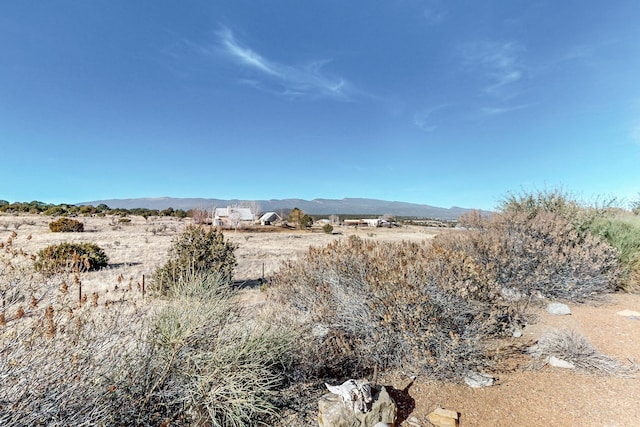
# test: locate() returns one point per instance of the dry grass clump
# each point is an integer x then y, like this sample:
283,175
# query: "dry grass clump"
66,359
572,347
206,366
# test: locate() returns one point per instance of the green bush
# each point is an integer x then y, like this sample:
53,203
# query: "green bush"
66,225
327,228
70,257
622,231
192,253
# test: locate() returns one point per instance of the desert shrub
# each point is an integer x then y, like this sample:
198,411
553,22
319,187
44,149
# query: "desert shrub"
436,306
68,256
371,303
66,225
529,254
622,231
124,220
193,361
531,203
58,365
327,228
572,347
219,371
306,221
193,252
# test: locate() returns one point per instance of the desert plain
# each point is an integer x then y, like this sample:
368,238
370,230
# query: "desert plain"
520,396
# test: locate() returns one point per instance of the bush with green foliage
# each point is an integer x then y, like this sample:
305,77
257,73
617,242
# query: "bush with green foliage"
622,231
66,225
327,228
192,253
68,256
306,221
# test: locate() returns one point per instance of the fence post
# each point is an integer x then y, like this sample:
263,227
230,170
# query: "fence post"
143,286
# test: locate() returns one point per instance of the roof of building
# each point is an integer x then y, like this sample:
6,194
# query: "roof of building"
269,216
245,213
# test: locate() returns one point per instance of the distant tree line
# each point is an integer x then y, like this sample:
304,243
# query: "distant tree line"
36,207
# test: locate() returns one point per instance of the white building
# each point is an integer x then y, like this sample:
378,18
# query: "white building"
232,216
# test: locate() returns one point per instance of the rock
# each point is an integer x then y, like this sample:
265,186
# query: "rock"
559,363
333,412
517,332
354,393
413,422
478,380
634,315
558,309
443,418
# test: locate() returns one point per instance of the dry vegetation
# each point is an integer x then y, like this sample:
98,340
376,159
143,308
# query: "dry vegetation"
163,335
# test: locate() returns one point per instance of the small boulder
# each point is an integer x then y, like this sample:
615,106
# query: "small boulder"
333,412
559,363
630,314
558,309
444,418
478,380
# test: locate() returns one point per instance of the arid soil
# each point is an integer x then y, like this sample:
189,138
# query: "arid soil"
520,397
550,396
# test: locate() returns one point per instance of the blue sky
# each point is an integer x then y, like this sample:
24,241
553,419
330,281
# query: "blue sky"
436,102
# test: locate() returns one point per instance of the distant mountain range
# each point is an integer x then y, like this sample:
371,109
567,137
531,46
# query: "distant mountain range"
353,206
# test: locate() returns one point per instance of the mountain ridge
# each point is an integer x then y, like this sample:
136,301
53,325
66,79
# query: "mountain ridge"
318,206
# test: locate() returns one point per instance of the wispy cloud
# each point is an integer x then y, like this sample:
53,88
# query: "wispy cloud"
308,80
495,111
424,119
498,63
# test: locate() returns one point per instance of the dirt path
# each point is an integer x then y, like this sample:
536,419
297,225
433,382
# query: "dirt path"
551,396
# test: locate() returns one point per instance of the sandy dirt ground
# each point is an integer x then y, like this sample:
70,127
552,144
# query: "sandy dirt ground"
521,397
550,396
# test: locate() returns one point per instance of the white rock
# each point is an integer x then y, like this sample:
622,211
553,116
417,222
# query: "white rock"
558,309
629,313
478,380
559,363
517,333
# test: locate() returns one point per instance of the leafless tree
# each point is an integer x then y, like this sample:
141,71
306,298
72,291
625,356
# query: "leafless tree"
253,206
235,218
